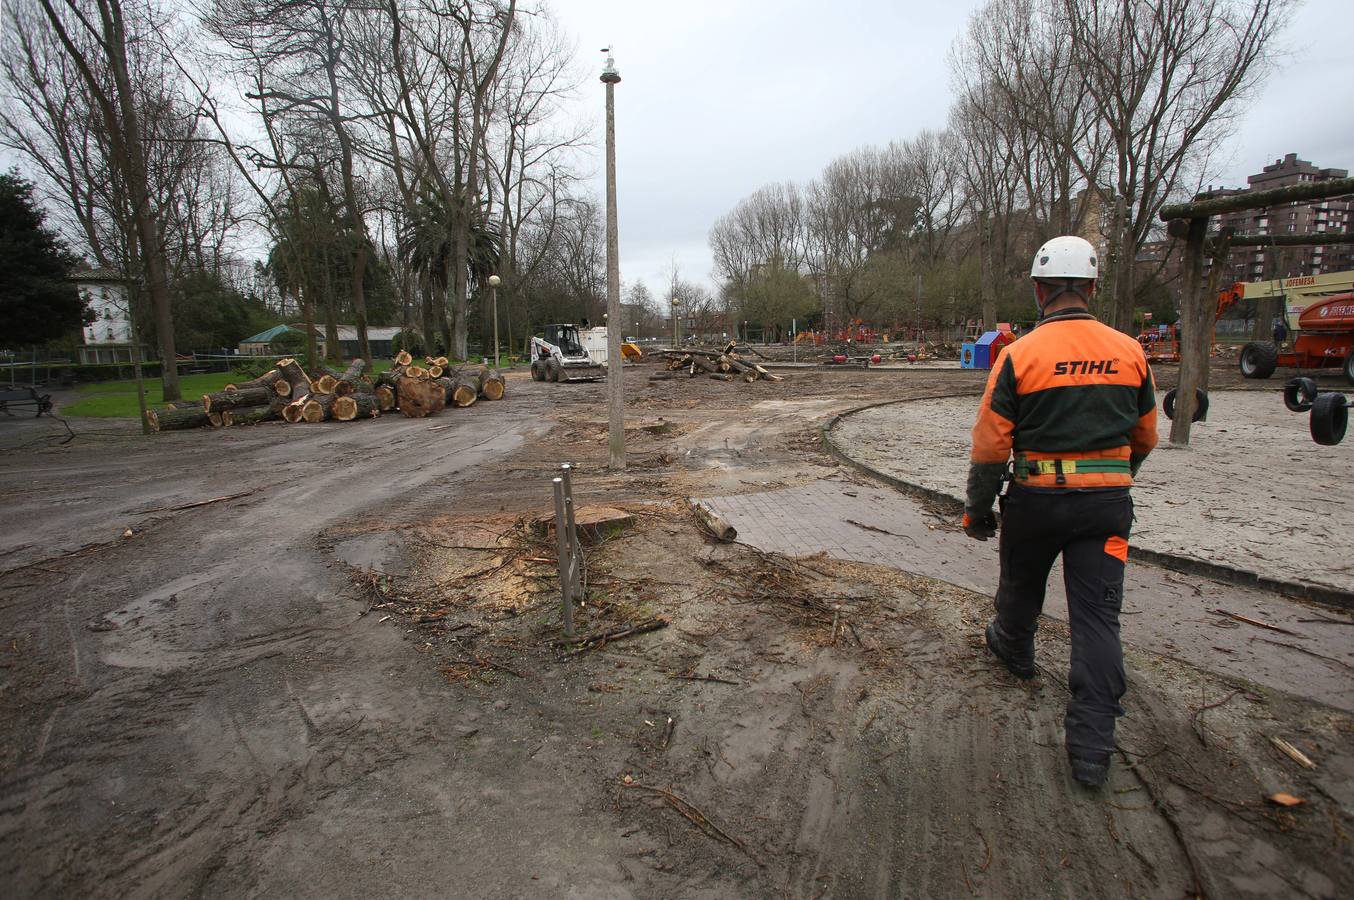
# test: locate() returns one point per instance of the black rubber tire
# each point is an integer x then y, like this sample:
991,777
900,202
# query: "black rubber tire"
1258,359
552,369
1200,404
1299,394
1330,417
1349,367
537,373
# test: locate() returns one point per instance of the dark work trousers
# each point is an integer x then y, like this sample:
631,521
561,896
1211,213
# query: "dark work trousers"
1036,526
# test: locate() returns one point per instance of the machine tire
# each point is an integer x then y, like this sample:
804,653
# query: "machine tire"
1258,359
537,373
1299,394
1330,417
1349,367
552,369
1200,404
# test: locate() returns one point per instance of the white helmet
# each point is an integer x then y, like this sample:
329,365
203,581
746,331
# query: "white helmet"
1066,257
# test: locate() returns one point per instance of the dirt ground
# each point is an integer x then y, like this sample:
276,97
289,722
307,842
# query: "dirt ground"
1253,491
346,681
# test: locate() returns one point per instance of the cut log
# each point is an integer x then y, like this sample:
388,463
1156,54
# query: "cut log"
434,371
713,521
292,411
318,407
419,397
217,419
326,384
415,372
730,364
385,398
438,361
253,396
355,406
465,390
763,373
390,377
272,379
252,415
176,419
403,359
722,376
183,404
351,378
296,378
750,376
490,384
704,364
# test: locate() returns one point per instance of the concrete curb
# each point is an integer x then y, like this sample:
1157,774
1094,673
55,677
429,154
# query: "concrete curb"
1314,593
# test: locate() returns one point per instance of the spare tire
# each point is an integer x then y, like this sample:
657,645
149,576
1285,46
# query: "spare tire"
1200,405
1330,417
1258,359
1299,394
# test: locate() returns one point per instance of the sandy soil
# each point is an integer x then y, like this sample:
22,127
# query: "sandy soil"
1252,491
345,682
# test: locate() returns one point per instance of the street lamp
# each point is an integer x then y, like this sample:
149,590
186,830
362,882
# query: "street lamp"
675,304
494,282
746,338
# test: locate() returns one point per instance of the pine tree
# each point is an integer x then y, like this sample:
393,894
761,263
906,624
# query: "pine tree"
37,303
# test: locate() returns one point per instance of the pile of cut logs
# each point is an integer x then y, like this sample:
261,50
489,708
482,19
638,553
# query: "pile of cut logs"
286,392
721,365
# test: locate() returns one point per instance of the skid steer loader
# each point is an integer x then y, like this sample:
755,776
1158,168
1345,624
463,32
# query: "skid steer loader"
567,354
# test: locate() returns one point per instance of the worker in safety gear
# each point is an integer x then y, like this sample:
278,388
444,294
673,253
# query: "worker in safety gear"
1070,409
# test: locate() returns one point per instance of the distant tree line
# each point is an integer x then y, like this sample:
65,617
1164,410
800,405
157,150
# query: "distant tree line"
388,156
1075,116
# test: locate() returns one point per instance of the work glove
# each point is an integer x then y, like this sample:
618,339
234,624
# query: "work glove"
980,526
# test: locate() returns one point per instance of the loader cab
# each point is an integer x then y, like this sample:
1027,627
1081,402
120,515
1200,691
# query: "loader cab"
565,337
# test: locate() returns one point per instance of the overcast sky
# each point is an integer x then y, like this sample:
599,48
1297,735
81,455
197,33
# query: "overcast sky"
719,97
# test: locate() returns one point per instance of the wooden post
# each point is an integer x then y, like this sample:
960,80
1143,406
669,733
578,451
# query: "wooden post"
615,370
565,561
1197,317
575,548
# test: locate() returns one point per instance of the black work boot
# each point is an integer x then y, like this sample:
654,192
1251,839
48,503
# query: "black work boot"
1090,772
1020,664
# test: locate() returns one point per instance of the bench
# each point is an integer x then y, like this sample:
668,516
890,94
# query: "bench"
24,396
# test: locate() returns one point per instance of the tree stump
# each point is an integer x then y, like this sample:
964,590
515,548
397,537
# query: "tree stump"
385,398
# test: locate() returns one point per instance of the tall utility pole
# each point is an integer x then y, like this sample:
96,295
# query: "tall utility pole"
615,374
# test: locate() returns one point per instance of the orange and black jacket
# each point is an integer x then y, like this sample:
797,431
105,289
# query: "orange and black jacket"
1071,405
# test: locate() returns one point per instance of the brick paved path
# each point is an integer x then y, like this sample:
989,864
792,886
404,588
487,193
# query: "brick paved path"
1164,612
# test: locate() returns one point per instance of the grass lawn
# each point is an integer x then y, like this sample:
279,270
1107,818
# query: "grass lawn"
117,399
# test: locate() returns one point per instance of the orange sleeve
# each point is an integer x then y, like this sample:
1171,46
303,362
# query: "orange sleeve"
1143,436
992,432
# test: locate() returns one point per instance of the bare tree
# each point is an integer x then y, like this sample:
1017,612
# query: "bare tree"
96,38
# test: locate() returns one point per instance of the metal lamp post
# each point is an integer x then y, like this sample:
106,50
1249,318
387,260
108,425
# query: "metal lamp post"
494,282
675,304
615,374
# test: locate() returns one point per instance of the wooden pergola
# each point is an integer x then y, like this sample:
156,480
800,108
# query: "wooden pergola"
1189,222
